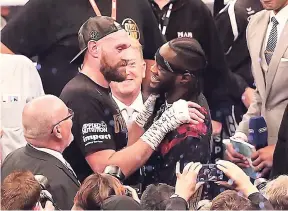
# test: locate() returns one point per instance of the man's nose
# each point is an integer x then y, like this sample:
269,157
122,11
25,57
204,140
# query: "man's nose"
125,55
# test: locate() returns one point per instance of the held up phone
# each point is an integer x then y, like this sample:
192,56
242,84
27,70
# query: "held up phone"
209,172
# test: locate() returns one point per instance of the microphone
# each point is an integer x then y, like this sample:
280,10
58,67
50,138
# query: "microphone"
258,134
45,194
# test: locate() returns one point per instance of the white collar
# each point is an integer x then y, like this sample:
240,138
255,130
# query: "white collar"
281,16
136,105
54,153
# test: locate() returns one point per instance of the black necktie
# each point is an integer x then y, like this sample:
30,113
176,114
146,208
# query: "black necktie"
272,40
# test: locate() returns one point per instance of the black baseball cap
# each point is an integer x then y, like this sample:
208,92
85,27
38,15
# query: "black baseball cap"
185,55
95,28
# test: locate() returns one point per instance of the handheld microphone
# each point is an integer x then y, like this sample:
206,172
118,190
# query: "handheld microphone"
45,194
258,134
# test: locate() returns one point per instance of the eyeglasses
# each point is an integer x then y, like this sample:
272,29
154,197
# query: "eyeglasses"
70,116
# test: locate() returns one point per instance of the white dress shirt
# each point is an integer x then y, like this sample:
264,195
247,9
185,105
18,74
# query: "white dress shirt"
136,106
19,83
281,17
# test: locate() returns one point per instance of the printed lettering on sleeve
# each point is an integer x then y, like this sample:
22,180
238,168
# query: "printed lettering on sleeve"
94,133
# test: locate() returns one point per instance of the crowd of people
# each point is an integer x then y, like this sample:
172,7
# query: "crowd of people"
144,104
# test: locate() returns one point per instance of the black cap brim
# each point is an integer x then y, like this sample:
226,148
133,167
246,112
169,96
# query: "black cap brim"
79,56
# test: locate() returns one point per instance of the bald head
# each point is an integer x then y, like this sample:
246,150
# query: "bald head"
40,114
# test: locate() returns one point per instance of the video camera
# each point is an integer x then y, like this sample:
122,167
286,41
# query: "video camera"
45,195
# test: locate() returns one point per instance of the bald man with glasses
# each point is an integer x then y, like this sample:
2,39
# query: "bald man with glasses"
47,124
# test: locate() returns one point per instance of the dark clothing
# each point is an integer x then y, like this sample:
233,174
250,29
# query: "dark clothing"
176,203
260,202
218,5
280,157
192,18
63,184
187,143
97,123
49,29
231,23
120,203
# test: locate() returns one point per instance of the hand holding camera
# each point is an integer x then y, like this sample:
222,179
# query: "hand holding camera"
186,184
237,178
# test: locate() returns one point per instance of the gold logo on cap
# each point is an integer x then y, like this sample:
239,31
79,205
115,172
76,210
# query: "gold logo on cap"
131,27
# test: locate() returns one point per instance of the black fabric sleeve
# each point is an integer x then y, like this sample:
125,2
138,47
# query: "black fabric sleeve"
259,201
176,203
32,30
237,55
153,39
93,127
280,157
224,28
216,77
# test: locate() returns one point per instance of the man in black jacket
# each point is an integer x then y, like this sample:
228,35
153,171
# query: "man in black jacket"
48,29
231,23
47,128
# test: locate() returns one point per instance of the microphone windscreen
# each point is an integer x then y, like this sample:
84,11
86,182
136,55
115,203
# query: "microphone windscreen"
258,134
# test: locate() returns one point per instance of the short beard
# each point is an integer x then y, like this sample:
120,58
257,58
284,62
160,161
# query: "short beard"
163,87
111,73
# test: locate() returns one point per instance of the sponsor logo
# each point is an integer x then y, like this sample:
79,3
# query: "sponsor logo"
185,34
94,128
96,138
262,130
131,27
250,11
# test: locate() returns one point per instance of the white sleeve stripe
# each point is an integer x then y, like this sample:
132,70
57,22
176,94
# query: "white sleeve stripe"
231,13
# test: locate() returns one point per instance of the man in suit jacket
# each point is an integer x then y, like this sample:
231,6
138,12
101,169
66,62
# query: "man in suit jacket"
47,124
268,46
127,94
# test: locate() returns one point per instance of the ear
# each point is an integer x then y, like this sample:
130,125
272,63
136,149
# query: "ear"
93,49
57,131
186,78
144,69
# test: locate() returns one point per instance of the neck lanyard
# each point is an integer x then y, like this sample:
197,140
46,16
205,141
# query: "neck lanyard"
166,17
97,11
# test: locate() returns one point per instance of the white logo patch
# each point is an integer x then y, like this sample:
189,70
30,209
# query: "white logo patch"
185,34
94,128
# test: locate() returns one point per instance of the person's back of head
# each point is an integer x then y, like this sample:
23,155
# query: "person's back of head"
155,196
231,200
47,119
95,190
276,191
20,191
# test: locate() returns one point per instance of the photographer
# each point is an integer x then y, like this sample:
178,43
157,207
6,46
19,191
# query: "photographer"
239,181
21,191
186,186
95,191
